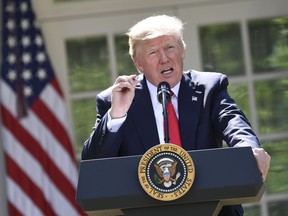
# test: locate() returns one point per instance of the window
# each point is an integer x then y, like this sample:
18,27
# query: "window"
277,181
272,105
269,44
222,50
125,64
88,64
89,73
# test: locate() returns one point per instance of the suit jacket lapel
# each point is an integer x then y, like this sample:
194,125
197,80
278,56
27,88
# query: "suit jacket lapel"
190,100
144,122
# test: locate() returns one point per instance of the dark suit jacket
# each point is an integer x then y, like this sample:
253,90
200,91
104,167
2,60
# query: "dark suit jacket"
207,116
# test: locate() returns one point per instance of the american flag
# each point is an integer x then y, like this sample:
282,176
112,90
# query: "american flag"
41,169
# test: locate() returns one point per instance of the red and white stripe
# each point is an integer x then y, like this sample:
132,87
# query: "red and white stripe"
41,167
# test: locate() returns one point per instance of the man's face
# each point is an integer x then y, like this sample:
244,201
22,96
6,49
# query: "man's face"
160,59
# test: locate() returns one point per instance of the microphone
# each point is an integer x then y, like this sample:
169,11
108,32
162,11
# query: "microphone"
163,93
164,97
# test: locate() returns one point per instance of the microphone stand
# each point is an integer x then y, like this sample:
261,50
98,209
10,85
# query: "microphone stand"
165,118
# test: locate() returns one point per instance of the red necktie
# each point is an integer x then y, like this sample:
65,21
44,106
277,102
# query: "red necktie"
173,124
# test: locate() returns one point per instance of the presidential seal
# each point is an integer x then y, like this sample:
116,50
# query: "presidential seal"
166,172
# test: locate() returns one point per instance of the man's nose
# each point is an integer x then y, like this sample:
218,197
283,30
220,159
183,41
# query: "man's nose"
163,56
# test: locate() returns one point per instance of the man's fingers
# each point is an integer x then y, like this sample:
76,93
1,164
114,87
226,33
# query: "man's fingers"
263,160
125,82
123,85
130,79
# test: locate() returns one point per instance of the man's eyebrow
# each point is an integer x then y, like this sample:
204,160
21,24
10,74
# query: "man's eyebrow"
149,49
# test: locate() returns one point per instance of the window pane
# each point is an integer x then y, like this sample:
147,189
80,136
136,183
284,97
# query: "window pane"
277,179
272,105
84,116
239,93
125,64
221,48
269,44
252,211
278,209
88,64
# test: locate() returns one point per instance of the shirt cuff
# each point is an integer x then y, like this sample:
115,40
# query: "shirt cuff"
113,125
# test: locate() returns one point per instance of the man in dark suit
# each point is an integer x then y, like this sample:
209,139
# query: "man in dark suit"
130,120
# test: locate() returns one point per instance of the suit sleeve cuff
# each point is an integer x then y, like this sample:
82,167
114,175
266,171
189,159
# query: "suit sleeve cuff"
113,125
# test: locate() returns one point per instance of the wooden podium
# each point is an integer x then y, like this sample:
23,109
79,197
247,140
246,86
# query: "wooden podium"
223,176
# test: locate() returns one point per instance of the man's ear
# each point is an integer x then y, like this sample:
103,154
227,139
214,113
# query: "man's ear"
183,54
138,64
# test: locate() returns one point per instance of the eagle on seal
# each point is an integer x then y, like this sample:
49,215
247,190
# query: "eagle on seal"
166,169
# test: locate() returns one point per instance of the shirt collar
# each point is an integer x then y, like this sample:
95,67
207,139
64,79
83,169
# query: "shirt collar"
153,91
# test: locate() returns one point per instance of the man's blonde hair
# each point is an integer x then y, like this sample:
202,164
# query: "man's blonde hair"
153,27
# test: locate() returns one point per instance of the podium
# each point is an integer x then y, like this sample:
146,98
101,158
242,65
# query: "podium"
224,176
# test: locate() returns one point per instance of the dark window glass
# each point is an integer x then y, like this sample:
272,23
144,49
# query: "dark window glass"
221,48
84,116
252,210
278,208
277,179
125,64
272,105
89,70
88,64
269,44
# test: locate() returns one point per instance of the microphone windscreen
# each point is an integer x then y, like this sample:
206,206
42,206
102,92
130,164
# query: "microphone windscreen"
163,90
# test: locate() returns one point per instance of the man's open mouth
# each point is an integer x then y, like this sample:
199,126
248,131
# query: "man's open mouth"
167,71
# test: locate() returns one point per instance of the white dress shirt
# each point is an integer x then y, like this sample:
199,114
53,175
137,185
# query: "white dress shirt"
158,110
